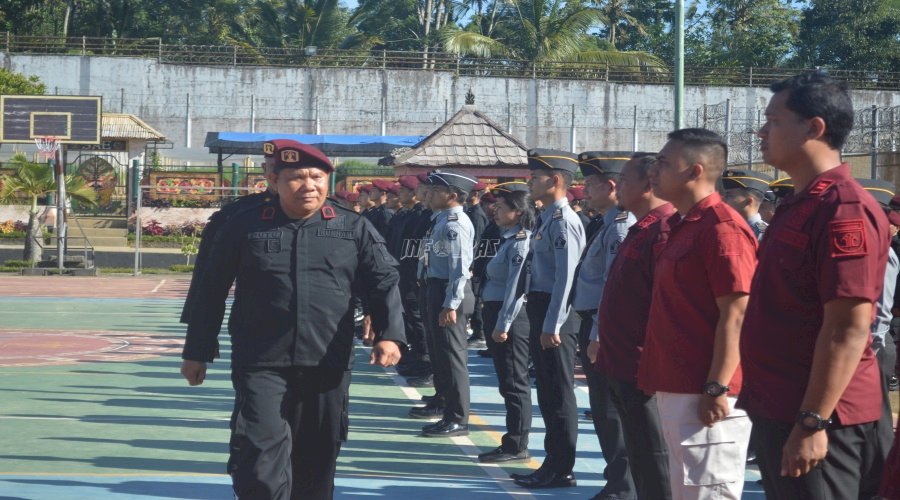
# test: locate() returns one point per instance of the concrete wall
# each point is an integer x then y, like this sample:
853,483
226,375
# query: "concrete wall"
186,102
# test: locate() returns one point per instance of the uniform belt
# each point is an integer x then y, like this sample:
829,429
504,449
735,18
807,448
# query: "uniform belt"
436,280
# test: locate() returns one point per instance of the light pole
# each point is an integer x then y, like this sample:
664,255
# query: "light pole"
679,64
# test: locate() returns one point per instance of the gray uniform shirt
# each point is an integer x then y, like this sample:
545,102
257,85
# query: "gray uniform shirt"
758,225
883,315
556,248
598,258
449,253
503,272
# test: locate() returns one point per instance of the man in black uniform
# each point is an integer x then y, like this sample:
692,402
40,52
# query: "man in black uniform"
380,215
215,223
480,221
295,261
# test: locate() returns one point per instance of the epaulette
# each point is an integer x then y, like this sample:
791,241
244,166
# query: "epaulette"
623,216
760,226
848,194
646,221
558,214
819,188
723,213
452,217
247,202
521,235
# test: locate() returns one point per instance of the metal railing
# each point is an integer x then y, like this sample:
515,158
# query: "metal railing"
308,57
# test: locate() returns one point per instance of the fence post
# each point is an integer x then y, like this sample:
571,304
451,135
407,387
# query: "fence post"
234,178
83,45
252,114
727,126
187,123
234,55
634,131
8,43
122,100
136,173
875,144
383,59
318,123
573,133
159,55
508,117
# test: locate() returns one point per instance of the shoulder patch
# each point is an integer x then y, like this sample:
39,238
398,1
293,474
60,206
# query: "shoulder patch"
327,212
848,238
623,216
452,217
558,214
521,235
452,235
518,259
560,242
268,213
819,188
647,221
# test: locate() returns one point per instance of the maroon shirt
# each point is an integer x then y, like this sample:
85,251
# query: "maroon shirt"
626,299
827,242
710,253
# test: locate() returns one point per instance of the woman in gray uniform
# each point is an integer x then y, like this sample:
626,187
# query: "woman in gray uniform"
505,317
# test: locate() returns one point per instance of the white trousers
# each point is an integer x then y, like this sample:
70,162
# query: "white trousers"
705,463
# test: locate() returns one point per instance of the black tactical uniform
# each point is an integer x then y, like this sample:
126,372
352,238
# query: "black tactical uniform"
291,328
213,225
480,222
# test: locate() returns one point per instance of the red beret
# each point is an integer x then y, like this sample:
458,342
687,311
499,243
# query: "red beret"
382,185
577,192
894,217
570,196
488,198
395,188
364,188
341,194
352,197
288,153
422,177
410,182
479,186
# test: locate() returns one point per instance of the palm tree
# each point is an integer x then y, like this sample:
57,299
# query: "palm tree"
547,30
33,181
616,13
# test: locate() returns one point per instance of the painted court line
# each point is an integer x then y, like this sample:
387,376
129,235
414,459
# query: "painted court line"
156,288
464,443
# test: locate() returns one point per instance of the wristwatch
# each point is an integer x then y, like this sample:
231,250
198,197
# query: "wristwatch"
812,421
714,389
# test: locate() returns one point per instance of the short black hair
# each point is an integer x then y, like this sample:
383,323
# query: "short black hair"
567,177
520,200
816,94
645,161
700,141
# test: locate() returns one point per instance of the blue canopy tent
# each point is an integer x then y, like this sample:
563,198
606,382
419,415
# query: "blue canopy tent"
225,144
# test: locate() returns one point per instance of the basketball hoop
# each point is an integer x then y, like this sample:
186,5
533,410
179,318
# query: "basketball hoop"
47,146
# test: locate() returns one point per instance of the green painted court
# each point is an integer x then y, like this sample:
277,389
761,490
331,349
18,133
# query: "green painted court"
94,407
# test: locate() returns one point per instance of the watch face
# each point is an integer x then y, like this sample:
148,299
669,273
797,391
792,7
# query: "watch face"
810,422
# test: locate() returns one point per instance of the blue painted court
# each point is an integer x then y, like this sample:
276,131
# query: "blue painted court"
94,408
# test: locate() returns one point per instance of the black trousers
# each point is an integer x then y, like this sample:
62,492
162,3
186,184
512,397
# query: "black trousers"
476,320
607,423
648,456
449,354
412,319
511,364
555,377
851,469
286,431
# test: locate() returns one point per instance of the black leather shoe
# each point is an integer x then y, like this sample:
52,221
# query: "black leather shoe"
445,429
540,470
427,411
497,455
549,480
485,353
428,399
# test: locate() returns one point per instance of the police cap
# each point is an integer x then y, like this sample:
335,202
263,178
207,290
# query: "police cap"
552,159
882,191
782,188
746,179
288,153
509,187
450,178
602,162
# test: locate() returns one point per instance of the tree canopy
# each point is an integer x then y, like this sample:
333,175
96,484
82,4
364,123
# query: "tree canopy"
842,34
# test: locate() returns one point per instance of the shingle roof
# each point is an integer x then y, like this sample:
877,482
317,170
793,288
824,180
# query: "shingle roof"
467,139
119,126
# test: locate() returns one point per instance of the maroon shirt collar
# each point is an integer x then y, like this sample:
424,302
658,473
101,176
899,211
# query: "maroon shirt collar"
696,212
658,213
819,183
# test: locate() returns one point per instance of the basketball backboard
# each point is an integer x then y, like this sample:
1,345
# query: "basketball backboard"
72,119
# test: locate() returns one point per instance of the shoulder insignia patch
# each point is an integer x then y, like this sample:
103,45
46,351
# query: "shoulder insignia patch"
521,235
646,221
452,217
560,242
614,247
557,214
820,187
327,212
451,235
623,216
268,213
848,238
518,259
